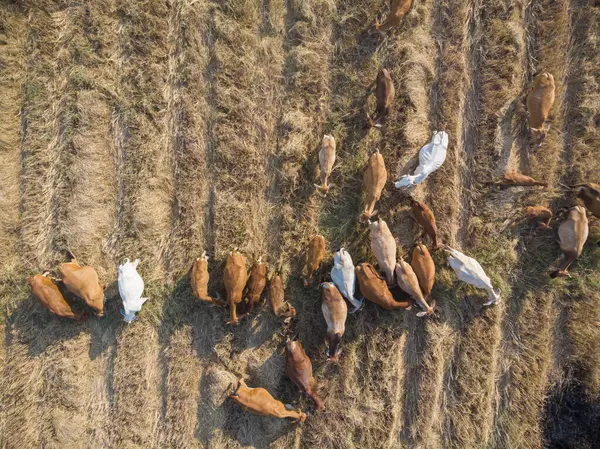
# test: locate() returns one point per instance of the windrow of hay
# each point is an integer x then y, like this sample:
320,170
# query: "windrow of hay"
187,139
142,227
12,73
526,351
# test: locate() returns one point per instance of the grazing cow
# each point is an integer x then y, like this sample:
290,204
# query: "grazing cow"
409,282
398,9
199,281
335,312
83,282
374,288
314,256
426,219
260,402
299,369
48,294
276,294
256,284
326,159
590,195
383,246
131,288
374,179
234,278
431,157
539,103
424,267
514,179
540,214
344,277
385,94
470,271
573,233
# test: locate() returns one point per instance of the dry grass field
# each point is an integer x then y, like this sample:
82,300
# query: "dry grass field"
156,129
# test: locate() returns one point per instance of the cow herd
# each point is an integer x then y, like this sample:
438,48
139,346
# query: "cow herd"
339,296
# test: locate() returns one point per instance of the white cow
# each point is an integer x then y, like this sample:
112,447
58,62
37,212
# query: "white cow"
344,277
431,157
468,270
131,287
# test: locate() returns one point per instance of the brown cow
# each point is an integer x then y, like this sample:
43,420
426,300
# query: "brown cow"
234,277
590,195
385,94
539,103
48,294
424,267
398,10
199,281
299,369
426,219
260,402
276,295
540,214
326,159
409,282
256,284
375,289
514,179
335,312
374,179
314,256
83,282
573,233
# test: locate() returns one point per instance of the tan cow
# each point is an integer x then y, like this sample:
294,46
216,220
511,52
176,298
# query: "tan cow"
256,284
426,219
326,159
385,94
234,278
314,256
514,179
276,296
374,180
375,289
48,295
424,267
539,104
199,281
260,402
409,282
398,10
299,369
383,246
573,233
335,312
83,282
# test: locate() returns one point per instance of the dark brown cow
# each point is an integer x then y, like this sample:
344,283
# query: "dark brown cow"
299,369
83,282
48,294
234,278
426,219
590,195
256,284
199,281
314,256
385,94
276,295
374,287
260,402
